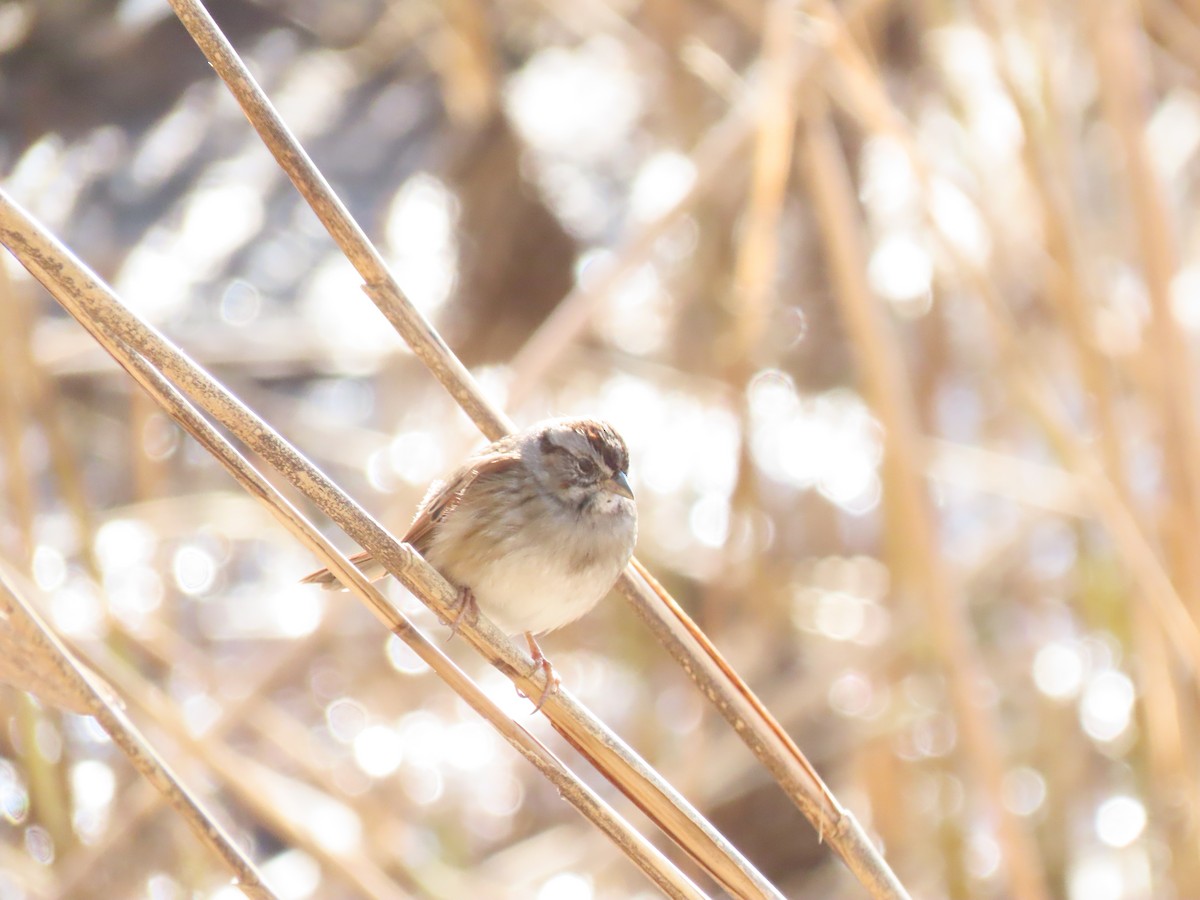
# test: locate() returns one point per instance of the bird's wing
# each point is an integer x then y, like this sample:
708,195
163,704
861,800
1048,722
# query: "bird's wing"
443,498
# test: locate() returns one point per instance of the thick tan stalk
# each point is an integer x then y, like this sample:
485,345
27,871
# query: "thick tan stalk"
85,297
47,785
885,382
46,402
660,870
254,708
866,98
379,282
14,419
758,250
107,711
1072,293
669,624
717,151
250,782
1123,81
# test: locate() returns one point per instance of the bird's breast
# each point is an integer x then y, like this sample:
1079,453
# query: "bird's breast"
533,567
539,593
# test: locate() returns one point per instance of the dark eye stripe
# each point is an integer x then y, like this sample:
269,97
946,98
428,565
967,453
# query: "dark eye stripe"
605,443
614,454
616,458
608,446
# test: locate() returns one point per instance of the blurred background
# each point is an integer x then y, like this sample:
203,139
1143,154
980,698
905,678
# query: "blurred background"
896,304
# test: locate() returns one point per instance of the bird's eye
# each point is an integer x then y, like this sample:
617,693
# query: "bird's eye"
587,467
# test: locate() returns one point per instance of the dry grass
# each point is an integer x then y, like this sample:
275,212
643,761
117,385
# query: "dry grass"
917,326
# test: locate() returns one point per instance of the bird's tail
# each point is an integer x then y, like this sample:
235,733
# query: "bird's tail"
365,563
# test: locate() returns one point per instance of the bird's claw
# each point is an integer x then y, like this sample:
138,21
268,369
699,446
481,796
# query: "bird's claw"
468,608
553,682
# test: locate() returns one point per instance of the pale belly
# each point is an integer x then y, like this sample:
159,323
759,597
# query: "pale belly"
520,594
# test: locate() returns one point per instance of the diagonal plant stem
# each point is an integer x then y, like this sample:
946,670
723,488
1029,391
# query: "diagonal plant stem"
720,147
1123,83
1032,386
107,711
865,98
669,624
1073,296
890,395
239,775
139,803
380,284
651,861
758,250
121,331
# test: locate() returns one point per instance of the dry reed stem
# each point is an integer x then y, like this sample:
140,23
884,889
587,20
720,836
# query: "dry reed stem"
721,147
887,388
117,725
13,419
46,402
380,285
678,634
1032,388
758,251
130,340
290,737
464,60
867,100
794,773
1123,79
142,801
242,778
1175,29
1159,697
47,786
280,729
24,665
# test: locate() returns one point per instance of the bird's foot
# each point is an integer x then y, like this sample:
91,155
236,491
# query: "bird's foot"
553,682
468,608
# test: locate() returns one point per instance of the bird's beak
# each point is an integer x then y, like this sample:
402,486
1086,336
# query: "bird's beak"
619,484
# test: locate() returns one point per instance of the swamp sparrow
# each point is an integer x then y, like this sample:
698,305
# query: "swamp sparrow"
533,529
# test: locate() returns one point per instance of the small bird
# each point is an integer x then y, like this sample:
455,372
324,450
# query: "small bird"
534,529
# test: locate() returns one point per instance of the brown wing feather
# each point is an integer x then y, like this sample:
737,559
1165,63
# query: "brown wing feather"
447,498
434,509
